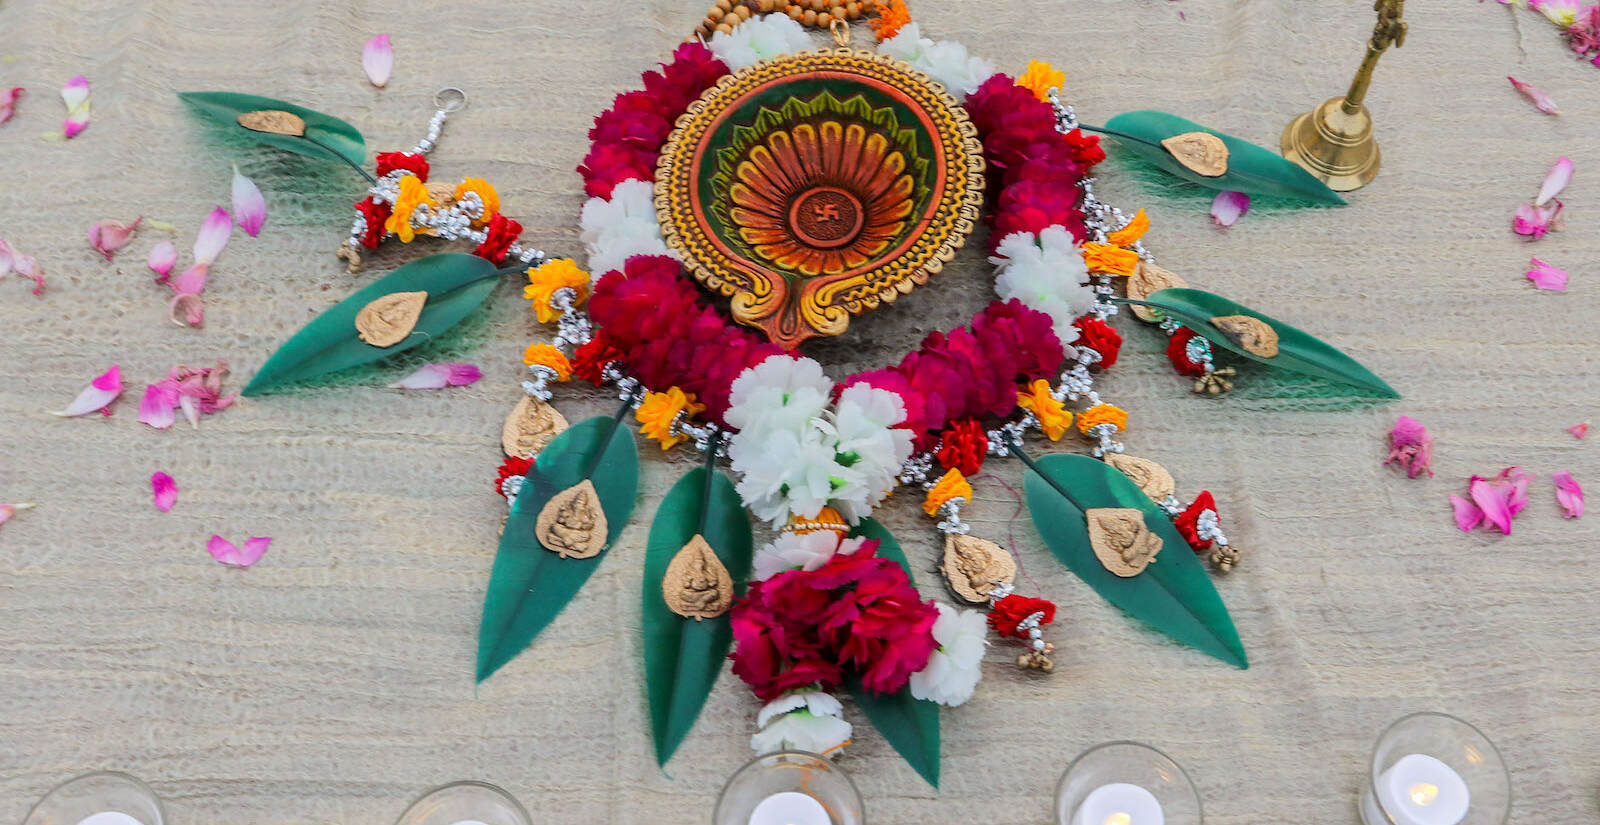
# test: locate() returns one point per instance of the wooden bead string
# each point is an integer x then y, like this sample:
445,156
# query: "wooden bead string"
821,14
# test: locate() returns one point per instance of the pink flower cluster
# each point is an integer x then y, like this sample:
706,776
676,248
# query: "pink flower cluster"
1497,501
856,613
1039,167
628,136
1584,34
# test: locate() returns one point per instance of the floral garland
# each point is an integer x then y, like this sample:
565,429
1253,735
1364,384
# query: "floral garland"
813,457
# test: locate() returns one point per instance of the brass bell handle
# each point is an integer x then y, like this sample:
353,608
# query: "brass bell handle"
1390,29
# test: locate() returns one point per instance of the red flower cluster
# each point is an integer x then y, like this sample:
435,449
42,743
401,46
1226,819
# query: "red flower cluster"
1188,521
1100,337
963,447
415,164
375,213
1011,610
512,466
1039,167
653,317
590,360
1178,353
857,612
628,136
501,233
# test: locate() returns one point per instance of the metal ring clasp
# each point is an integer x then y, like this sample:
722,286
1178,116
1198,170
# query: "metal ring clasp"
450,99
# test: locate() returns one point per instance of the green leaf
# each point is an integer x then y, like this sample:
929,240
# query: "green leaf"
909,724
1297,351
338,140
683,657
1251,169
1173,595
530,585
456,284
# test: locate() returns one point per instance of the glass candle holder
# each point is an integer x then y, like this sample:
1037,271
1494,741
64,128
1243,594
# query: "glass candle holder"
1126,783
465,803
102,798
789,788
1435,769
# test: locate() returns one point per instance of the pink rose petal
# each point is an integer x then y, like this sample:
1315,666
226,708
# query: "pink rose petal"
1535,221
377,59
1495,509
249,207
439,376
76,96
103,390
224,551
1535,96
109,236
1228,207
163,257
165,491
9,510
1468,516
12,260
8,103
1560,175
1568,494
1579,431
213,236
187,310
156,409
1410,446
1545,276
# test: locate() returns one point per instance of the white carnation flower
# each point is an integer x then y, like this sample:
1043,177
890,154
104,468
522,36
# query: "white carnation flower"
945,61
953,671
870,445
759,38
1047,273
617,229
811,721
785,473
800,551
780,393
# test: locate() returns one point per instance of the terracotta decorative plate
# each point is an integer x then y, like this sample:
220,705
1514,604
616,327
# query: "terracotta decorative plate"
818,185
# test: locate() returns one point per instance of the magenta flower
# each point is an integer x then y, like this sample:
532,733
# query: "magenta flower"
1545,276
96,397
163,257
1228,207
1535,95
8,102
1579,431
1494,501
249,207
195,391
108,236
164,490
76,97
1411,447
1568,494
12,260
226,552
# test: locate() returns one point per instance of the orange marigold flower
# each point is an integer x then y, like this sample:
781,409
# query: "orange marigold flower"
892,14
1040,78
1132,232
486,193
1102,414
546,279
951,485
545,355
1110,259
413,193
1053,416
659,409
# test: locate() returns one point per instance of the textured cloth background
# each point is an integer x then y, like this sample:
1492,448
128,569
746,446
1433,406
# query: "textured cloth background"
333,682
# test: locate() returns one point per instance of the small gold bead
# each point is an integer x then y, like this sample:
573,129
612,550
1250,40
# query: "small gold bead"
793,12
725,28
852,10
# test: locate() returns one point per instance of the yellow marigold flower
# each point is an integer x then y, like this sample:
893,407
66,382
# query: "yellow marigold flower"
1041,77
660,409
952,485
892,15
1132,232
1110,259
826,518
544,281
1053,416
486,193
412,195
1102,414
547,356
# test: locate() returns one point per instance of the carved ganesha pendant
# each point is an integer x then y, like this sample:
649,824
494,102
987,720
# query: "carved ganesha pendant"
819,185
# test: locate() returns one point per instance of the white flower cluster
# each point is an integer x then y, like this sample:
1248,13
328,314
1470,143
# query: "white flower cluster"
945,61
1047,273
794,455
800,551
811,721
758,39
953,671
618,229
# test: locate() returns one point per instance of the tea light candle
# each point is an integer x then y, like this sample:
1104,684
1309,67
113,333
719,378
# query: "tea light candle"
790,808
109,818
1119,803
1421,790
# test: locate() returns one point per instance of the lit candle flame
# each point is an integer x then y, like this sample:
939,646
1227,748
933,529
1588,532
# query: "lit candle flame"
1424,793
1119,818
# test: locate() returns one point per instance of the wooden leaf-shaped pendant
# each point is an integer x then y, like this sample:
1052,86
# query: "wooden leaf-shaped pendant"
571,524
273,121
1151,477
696,585
1256,336
1146,279
1200,152
388,320
530,427
1121,541
972,567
